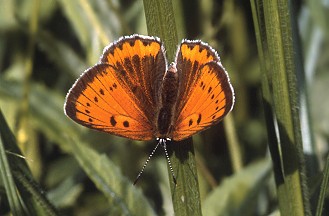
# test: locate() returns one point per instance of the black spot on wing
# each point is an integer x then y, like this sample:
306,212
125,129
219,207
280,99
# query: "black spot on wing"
190,122
126,123
199,119
113,121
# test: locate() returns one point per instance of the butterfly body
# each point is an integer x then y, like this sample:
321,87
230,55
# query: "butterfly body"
169,93
133,93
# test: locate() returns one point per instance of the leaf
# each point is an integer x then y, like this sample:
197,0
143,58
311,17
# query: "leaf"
237,193
17,178
6,175
125,198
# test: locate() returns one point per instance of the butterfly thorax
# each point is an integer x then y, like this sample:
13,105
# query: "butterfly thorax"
169,93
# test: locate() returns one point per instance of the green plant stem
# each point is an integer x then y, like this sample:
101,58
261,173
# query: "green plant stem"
161,22
323,190
278,44
233,144
6,176
21,189
185,195
25,184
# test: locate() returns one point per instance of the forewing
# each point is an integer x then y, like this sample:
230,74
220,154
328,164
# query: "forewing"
207,95
119,95
141,62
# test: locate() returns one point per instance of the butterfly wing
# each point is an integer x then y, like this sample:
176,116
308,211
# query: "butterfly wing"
119,95
205,90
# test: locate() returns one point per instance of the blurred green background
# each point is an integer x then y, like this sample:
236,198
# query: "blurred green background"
45,45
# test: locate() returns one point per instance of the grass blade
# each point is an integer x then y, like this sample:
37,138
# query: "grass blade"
237,193
323,190
6,175
277,44
18,180
125,199
160,21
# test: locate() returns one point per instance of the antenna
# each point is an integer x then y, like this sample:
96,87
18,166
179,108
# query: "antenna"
146,162
163,143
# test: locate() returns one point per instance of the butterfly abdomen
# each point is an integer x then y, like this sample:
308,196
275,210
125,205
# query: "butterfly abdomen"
169,93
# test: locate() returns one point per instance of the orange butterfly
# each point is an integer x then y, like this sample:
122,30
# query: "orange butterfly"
133,93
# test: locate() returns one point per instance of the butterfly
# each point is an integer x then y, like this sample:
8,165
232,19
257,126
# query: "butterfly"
132,92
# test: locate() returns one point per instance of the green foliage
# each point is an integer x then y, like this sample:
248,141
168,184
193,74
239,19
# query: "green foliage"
17,179
51,166
279,46
238,193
